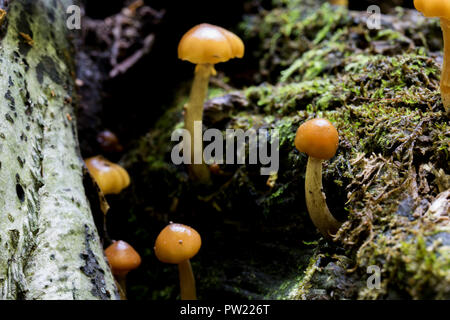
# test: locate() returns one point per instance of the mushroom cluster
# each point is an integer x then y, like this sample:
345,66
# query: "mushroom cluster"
319,139
440,9
176,244
204,45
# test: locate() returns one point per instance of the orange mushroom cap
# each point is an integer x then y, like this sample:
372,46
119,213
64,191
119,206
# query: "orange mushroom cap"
110,177
434,8
206,43
318,138
122,258
339,2
109,142
177,243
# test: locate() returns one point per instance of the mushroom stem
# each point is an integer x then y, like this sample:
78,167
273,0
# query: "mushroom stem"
187,281
316,200
122,286
445,75
194,113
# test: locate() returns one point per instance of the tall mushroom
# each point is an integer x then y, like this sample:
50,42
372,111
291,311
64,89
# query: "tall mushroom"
176,244
204,45
319,139
440,9
122,258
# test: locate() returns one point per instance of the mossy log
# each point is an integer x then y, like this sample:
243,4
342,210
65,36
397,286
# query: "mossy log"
50,248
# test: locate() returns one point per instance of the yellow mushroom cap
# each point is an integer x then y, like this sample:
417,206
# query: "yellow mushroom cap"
318,138
434,8
110,177
177,243
206,43
339,2
122,258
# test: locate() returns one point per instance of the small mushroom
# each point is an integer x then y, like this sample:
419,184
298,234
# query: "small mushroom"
122,258
319,139
176,244
440,9
110,177
109,142
204,45
339,2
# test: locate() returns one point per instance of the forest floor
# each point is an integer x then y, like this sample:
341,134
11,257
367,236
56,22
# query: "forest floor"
389,181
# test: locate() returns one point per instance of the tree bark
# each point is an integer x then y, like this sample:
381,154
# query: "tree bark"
49,245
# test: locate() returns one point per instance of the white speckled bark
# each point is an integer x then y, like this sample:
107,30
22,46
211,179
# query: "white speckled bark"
49,247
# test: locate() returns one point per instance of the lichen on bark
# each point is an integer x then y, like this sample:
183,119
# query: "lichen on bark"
50,246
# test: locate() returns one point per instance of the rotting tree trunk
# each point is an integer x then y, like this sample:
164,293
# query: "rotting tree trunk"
49,244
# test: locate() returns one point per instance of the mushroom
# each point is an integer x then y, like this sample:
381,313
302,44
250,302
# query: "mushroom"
122,258
339,2
110,177
109,142
319,139
204,45
441,9
176,244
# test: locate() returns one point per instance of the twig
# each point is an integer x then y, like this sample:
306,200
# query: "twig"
220,84
131,61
